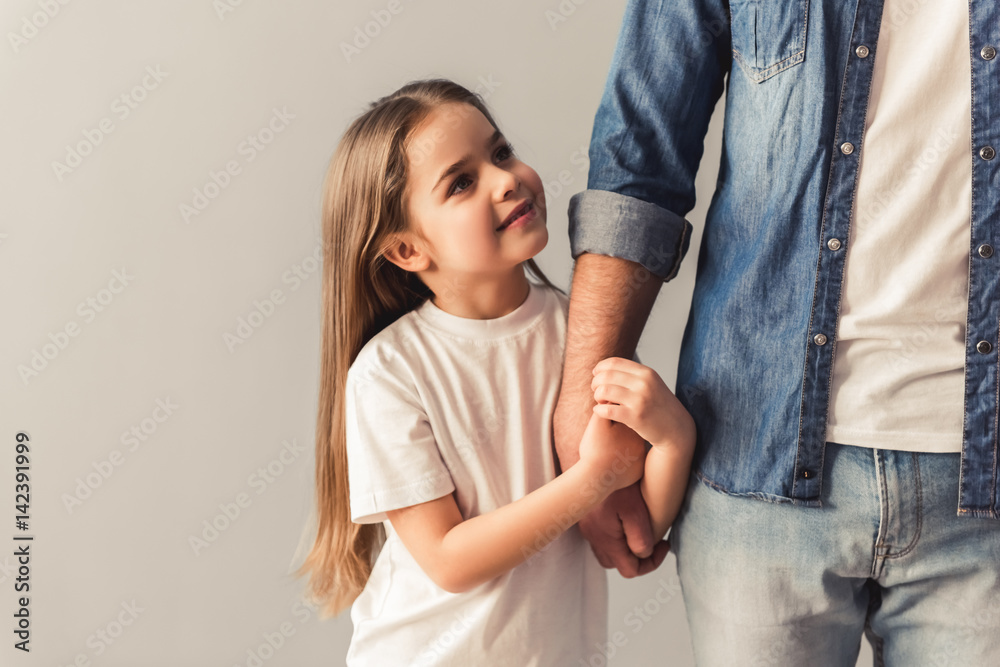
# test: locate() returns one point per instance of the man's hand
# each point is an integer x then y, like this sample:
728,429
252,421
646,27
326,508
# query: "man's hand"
620,535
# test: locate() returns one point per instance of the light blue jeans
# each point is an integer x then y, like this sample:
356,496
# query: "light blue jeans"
885,555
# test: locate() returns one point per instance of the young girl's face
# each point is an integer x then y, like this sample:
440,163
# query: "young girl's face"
479,209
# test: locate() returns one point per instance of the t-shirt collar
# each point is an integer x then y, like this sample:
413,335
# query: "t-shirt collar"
499,327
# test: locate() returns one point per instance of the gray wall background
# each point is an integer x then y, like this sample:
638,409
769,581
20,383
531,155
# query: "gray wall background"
156,418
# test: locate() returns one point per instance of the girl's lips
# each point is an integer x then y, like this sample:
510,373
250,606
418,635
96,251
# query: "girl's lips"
528,215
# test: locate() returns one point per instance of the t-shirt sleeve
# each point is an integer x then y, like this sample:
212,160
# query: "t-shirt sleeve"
393,460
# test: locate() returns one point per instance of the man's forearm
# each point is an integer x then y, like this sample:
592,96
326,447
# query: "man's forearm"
610,301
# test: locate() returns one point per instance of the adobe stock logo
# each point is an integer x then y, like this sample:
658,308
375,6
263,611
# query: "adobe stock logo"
249,149
31,25
87,309
230,511
104,468
122,107
365,34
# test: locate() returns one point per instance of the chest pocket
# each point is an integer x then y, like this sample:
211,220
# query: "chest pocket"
769,36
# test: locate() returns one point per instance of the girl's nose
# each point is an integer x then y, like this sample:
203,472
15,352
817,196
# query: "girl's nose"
506,184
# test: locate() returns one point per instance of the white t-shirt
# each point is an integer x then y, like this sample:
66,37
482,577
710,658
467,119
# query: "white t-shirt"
439,404
899,368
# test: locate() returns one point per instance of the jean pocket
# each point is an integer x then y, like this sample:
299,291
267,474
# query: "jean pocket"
769,36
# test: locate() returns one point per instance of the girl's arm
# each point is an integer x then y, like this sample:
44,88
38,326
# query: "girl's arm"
663,484
633,394
460,554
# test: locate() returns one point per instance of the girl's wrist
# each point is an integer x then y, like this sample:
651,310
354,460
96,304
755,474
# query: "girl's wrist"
596,482
679,447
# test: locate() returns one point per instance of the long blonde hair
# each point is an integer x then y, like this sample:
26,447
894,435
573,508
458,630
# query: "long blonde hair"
363,205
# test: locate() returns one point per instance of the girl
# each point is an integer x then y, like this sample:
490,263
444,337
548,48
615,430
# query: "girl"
440,513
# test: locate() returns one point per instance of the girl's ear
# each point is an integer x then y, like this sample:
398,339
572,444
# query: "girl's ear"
407,252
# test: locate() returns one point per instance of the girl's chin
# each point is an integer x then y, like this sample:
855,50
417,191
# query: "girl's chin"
541,240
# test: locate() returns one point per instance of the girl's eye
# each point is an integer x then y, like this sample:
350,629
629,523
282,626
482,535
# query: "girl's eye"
455,186
504,152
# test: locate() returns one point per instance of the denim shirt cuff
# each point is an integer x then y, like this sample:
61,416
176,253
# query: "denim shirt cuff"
616,225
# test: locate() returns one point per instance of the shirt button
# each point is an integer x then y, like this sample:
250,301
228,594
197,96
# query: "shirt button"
988,53
862,51
847,148
984,347
833,244
986,250
819,339
987,153
806,474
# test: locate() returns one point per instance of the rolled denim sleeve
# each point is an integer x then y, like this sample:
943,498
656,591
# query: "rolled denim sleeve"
667,73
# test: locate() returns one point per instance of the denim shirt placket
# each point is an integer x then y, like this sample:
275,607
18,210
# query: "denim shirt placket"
834,234
978,487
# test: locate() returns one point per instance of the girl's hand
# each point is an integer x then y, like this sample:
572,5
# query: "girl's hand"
615,452
633,394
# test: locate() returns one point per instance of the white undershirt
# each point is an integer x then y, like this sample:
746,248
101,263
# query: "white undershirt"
899,366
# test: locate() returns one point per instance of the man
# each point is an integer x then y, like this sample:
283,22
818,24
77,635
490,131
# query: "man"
840,357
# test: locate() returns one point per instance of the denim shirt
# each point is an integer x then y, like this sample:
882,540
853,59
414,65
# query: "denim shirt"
757,352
